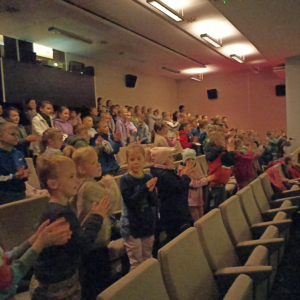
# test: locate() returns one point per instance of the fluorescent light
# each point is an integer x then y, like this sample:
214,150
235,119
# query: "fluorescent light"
211,40
43,51
70,35
165,9
239,59
171,70
197,78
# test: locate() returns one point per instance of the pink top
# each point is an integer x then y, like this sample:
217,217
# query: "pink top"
171,142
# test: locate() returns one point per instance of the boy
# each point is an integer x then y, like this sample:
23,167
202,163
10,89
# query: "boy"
81,137
220,162
13,167
143,130
88,122
187,140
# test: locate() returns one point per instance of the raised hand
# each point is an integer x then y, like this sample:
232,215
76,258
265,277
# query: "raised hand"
31,138
117,136
151,184
102,208
189,168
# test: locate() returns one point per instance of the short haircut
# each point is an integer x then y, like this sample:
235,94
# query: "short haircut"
135,147
79,128
48,167
181,107
183,125
159,125
6,112
216,135
50,133
86,117
6,125
287,160
81,155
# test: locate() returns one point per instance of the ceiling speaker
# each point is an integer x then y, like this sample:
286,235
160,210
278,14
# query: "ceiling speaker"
130,80
280,90
212,94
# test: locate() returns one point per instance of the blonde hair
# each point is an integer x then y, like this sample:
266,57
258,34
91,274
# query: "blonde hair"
135,147
82,155
216,136
48,134
48,167
68,151
77,129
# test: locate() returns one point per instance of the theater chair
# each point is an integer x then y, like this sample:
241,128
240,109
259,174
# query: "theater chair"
256,221
279,167
294,196
33,179
269,208
19,221
188,276
241,289
223,258
144,282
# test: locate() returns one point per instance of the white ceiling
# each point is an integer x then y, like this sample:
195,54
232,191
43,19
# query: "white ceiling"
148,38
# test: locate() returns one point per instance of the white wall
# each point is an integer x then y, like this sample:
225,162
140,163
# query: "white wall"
157,92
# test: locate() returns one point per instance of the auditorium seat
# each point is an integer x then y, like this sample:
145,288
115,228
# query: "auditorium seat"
144,282
254,218
19,221
241,289
223,258
22,296
279,167
33,179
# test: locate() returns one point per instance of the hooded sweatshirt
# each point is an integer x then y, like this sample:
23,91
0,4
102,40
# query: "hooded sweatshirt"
64,127
77,141
186,139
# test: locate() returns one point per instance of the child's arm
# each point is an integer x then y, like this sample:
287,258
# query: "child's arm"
36,126
171,142
185,142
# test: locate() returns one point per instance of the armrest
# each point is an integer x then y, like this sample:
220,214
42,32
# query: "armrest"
272,212
272,245
289,193
257,273
259,228
295,200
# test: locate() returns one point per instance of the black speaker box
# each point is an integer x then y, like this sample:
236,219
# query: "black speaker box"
130,80
280,90
27,56
89,71
212,94
75,66
10,48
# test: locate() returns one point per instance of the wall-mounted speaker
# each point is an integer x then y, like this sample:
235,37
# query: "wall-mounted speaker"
212,94
26,52
130,80
10,48
76,66
280,90
89,71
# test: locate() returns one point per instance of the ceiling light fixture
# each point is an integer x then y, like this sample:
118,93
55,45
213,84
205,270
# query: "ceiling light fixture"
70,35
171,70
211,40
240,59
197,77
166,10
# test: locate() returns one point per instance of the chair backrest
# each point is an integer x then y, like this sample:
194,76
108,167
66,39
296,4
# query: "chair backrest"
144,282
33,179
266,184
203,163
241,289
121,156
19,220
249,206
279,168
185,270
215,241
235,221
260,195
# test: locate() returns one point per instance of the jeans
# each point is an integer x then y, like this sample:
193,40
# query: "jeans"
219,194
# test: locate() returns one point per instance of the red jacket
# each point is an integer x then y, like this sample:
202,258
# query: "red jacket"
275,178
243,169
5,274
294,173
185,140
221,173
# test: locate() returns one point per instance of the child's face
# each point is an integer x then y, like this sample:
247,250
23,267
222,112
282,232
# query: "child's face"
32,104
88,121
103,128
10,136
94,112
128,116
170,162
141,121
194,124
47,109
65,115
14,117
57,141
187,128
91,167
167,117
135,160
73,114
84,133
123,113
67,185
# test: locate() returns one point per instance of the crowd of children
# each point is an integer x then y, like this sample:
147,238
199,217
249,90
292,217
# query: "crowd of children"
75,159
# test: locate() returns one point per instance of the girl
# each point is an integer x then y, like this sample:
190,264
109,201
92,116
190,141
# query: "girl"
61,122
108,105
131,128
161,139
29,114
143,130
173,191
56,270
52,141
100,106
12,115
198,180
74,118
132,119
122,126
41,122
172,126
151,119
139,196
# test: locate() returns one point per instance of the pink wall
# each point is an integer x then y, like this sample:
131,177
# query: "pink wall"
246,98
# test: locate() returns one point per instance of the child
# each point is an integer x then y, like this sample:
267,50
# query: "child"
273,142
13,167
294,174
95,116
52,141
12,115
122,126
15,264
108,150
88,192
161,139
74,118
139,196
81,137
187,140
267,156
172,126
61,122
41,122
56,270
143,130
151,119
88,122
173,191
131,128
220,162
197,181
